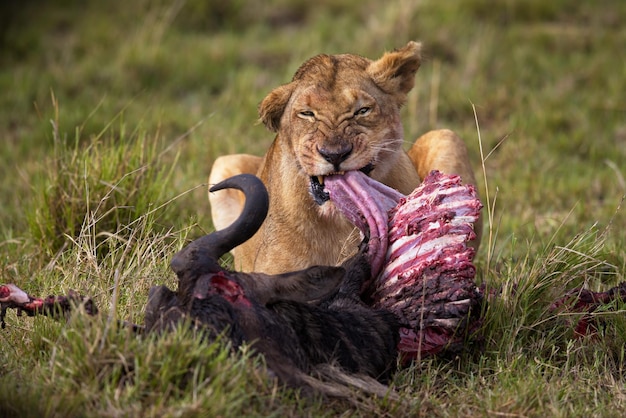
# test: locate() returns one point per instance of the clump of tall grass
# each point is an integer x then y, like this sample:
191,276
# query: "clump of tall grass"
102,185
86,369
151,375
521,317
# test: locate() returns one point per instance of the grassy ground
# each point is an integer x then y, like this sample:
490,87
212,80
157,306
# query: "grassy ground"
112,112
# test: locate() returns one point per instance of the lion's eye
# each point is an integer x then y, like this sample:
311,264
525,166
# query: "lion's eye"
307,113
363,111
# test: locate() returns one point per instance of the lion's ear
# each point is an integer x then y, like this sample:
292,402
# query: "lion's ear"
272,107
395,71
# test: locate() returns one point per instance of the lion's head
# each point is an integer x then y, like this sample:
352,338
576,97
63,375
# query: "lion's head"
342,113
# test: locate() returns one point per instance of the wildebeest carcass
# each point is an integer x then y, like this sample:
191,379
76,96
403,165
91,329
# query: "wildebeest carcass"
298,320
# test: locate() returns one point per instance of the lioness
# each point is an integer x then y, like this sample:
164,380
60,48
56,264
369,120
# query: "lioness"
339,113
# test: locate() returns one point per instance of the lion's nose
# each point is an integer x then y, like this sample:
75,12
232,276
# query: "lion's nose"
336,155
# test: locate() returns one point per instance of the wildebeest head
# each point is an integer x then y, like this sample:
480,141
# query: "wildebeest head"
198,269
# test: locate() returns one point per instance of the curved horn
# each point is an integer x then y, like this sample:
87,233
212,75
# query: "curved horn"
252,216
201,255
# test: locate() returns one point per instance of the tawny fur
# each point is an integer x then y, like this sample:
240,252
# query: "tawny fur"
335,105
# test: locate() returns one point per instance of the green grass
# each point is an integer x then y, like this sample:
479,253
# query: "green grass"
112,113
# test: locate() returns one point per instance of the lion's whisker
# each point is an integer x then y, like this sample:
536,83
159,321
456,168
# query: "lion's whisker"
387,145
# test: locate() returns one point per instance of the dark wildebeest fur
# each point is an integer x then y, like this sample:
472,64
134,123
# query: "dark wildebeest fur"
297,320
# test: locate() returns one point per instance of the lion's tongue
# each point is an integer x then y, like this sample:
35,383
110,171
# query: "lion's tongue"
365,202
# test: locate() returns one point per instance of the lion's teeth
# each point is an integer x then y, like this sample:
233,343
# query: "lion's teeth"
320,179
